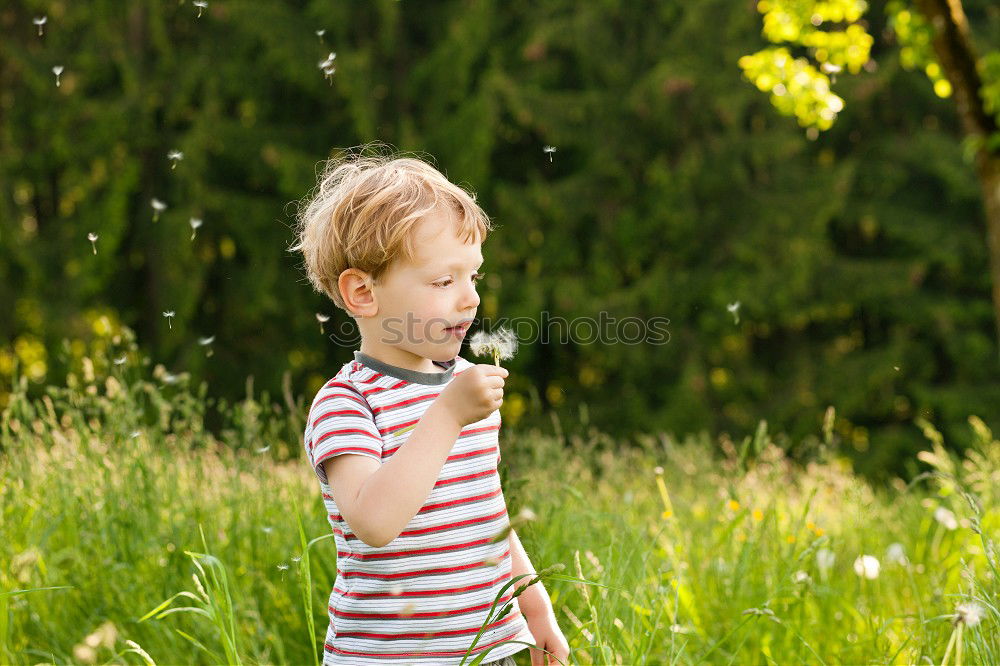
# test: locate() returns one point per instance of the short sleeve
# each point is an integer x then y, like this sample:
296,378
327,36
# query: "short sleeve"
341,422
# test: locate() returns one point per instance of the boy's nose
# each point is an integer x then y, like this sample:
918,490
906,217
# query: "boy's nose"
471,299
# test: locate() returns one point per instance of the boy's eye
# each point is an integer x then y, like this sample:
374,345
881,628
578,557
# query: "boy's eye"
476,277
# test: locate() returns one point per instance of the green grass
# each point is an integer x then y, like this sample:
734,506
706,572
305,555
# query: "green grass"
127,528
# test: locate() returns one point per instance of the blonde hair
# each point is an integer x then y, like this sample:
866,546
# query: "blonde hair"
362,212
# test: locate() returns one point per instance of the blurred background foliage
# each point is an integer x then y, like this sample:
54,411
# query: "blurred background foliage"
798,270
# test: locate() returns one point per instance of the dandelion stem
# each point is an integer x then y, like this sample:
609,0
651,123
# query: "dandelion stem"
951,643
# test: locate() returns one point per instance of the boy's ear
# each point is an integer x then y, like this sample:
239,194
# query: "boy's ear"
356,290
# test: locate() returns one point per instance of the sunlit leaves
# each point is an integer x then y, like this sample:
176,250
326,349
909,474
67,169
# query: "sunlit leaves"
915,34
796,86
801,86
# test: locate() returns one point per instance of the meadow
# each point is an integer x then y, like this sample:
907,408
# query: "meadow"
132,534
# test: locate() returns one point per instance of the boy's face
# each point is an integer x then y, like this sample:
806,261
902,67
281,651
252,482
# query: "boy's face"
418,301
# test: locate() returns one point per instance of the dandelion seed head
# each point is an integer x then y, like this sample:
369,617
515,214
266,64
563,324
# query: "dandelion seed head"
946,518
969,613
40,20
121,360
282,567
57,70
92,237
195,222
320,33
825,558
895,554
867,566
322,318
158,205
501,344
168,314
206,341
175,155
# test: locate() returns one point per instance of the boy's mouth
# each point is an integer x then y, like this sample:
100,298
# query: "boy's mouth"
460,330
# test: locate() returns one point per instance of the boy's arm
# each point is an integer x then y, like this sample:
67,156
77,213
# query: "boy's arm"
533,601
393,494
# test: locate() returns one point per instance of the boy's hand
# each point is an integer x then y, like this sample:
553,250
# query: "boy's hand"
548,637
474,394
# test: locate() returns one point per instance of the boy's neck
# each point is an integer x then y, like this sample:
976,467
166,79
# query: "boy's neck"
401,358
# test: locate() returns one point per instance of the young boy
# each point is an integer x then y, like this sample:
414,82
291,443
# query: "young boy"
404,439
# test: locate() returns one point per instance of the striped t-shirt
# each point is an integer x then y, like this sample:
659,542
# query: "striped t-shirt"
422,598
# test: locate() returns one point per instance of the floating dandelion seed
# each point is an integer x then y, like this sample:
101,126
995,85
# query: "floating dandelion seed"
328,67
135,433
549,150
800,577
867,566
320,33
158,207
946,518
969,613
170,378
174,156
205,342
282,567
296,559
734,309
501,345
169,314
200,4
92,237
40,21
830,68
57,70
195,222
264,449
121,360
328,61
322,319
267,530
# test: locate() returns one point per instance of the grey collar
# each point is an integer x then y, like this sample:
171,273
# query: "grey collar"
412,376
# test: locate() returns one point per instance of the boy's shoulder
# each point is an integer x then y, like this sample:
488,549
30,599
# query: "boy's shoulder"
354,375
